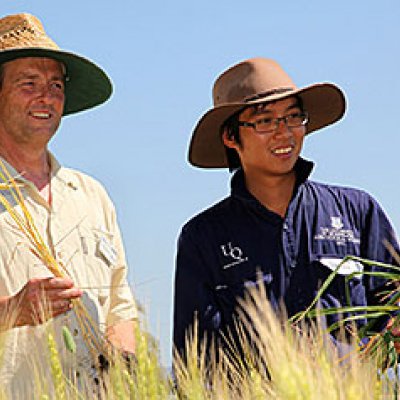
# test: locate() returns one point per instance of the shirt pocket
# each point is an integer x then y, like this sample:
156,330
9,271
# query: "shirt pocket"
347,285
99,256
349,267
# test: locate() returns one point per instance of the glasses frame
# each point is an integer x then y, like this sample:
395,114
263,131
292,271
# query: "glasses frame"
276,121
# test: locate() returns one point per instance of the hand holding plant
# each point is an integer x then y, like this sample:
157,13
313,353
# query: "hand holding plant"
40,300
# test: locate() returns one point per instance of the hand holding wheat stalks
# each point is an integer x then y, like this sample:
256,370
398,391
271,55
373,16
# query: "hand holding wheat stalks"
51,294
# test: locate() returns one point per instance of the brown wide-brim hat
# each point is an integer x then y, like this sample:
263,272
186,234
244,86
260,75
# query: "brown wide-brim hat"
86,86
254,81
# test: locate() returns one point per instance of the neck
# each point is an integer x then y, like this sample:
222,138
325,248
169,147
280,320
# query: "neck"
32,164
274,192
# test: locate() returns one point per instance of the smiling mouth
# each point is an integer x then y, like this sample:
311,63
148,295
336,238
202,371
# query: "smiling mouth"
282,150
41,115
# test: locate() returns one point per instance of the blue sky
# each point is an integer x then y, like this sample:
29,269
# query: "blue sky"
163,58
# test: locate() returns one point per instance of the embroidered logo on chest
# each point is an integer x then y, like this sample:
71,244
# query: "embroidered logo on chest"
234,253
336,233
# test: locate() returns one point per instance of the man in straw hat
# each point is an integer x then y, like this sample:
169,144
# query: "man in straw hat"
277,226
40,83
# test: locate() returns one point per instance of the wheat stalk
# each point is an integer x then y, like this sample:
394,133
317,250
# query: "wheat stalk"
56,369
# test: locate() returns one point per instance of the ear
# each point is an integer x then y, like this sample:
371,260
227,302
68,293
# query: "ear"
229,141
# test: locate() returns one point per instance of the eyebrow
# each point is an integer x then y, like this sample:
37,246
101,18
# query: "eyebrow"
33,75
256,110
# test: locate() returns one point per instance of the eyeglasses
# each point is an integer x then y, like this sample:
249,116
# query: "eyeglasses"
266,125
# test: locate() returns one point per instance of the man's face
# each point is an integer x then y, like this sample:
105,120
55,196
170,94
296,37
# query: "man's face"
31,100
273,153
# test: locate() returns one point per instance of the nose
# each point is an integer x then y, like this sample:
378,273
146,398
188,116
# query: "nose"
43,92
46,90
281,127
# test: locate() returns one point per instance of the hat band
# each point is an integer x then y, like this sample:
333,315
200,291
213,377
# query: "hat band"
266,94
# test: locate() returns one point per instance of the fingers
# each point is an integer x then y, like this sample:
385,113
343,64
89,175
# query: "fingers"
395,331
49,296
59,294
60,307
53,288
42,313
53,283
43,298
60,283
62,288
62,291
397,347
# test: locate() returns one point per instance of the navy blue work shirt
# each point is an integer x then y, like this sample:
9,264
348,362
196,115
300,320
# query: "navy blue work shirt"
221,251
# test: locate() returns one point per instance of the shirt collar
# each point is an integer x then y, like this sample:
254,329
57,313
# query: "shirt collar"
19,176
54,164
302,168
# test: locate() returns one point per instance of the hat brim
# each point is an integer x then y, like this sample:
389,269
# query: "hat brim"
324,102
87,85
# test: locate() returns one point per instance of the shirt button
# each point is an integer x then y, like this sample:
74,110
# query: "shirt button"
60,254
285,226
76,332
294,264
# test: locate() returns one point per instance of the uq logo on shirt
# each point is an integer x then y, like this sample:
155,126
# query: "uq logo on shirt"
336,233
234,253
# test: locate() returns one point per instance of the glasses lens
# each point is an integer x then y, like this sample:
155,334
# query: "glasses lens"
295,120
265,125
270,124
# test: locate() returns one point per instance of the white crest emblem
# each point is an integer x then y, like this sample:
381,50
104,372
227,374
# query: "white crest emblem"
337,233
336,222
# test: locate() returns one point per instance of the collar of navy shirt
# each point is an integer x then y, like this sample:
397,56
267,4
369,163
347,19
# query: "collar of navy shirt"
302,168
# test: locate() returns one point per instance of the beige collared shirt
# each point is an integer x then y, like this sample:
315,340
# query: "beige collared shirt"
81,230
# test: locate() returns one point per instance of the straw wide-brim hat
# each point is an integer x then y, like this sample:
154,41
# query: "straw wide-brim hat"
87,85
254,81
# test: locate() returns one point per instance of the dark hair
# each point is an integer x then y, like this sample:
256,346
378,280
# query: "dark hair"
1,75
231,126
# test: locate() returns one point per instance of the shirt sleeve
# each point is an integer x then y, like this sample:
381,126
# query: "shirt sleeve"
194,295
379,243
122,304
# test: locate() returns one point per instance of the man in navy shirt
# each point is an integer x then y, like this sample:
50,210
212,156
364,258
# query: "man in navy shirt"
276,221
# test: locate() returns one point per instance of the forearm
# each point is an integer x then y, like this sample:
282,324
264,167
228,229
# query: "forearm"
122,335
